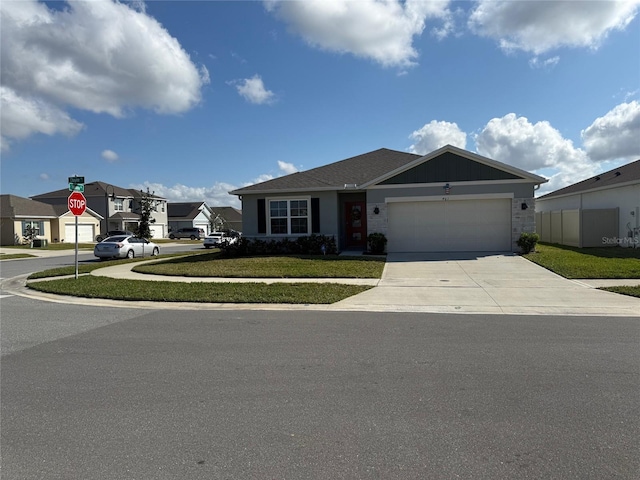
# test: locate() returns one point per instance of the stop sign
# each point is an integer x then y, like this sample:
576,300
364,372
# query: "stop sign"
77,203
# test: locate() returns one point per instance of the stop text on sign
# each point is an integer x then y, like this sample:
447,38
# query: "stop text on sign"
77,203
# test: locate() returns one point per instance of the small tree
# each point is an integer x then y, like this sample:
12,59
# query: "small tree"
147,205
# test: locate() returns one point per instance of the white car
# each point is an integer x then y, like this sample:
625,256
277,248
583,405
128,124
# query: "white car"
125,246
220,239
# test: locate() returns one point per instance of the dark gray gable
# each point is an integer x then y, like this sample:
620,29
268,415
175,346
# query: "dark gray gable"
449,167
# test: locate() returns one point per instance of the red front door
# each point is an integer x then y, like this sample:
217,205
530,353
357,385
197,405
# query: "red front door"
356,218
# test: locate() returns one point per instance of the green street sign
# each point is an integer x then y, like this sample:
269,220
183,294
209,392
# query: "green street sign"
76,179
76,187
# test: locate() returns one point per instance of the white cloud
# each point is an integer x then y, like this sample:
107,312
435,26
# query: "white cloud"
23,116
253,90
380,30
540,26
217,195
616,135
99,56
287,168
44,176
535,62
110,156
434,135
535,146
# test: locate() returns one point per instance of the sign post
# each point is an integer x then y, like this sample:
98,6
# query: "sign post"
77,205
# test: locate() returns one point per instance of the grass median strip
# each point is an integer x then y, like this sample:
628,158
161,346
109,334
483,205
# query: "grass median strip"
298,266
136,290
13,256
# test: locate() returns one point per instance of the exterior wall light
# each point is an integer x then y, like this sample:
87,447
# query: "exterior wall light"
376,210
524,206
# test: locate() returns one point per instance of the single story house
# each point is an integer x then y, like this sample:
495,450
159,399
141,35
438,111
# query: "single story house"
603,210
447,201
118,207
55,223
200,215
227,218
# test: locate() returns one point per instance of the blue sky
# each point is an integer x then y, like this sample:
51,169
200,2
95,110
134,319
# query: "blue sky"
195,98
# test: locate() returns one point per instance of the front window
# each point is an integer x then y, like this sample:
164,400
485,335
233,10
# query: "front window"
34,227
289,217
118,205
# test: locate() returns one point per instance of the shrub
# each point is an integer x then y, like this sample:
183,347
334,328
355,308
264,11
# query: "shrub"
527,242
376,242
308,245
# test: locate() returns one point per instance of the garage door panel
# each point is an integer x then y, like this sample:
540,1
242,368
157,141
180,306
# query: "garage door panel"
449,226
85,233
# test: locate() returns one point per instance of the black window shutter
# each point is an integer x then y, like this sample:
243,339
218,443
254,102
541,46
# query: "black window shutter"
315,215
262,216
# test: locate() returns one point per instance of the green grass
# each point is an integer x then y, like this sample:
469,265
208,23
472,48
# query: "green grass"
631,291
12,256
90,267
571,262
213,265
136,290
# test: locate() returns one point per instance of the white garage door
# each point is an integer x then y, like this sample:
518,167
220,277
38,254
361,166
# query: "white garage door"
85,233
482,225
157,231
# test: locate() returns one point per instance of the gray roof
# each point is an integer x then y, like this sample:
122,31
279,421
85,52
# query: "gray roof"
187,210
230,214
356,170
12,206
369,169
95,189
623,174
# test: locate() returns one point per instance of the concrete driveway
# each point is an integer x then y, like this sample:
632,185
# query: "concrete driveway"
501,283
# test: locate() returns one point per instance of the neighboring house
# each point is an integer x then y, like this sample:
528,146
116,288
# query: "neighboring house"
448,200
200,215
226,218
118,207
51,222
189,215
603,210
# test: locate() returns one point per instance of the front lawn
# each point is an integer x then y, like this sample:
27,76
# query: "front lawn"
571,262
298,266
138,290
56,246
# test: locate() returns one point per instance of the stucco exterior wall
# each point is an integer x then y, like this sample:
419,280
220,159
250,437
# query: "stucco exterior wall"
329,212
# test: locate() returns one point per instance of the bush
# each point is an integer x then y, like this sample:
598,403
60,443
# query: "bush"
376,242
309,245
527,242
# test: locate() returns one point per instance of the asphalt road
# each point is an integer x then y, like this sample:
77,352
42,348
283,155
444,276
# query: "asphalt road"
93,393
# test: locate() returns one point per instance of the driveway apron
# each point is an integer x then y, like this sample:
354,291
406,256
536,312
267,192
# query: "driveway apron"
501,283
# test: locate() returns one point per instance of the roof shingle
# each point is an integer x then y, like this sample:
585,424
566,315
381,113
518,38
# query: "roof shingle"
623,174
356,170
